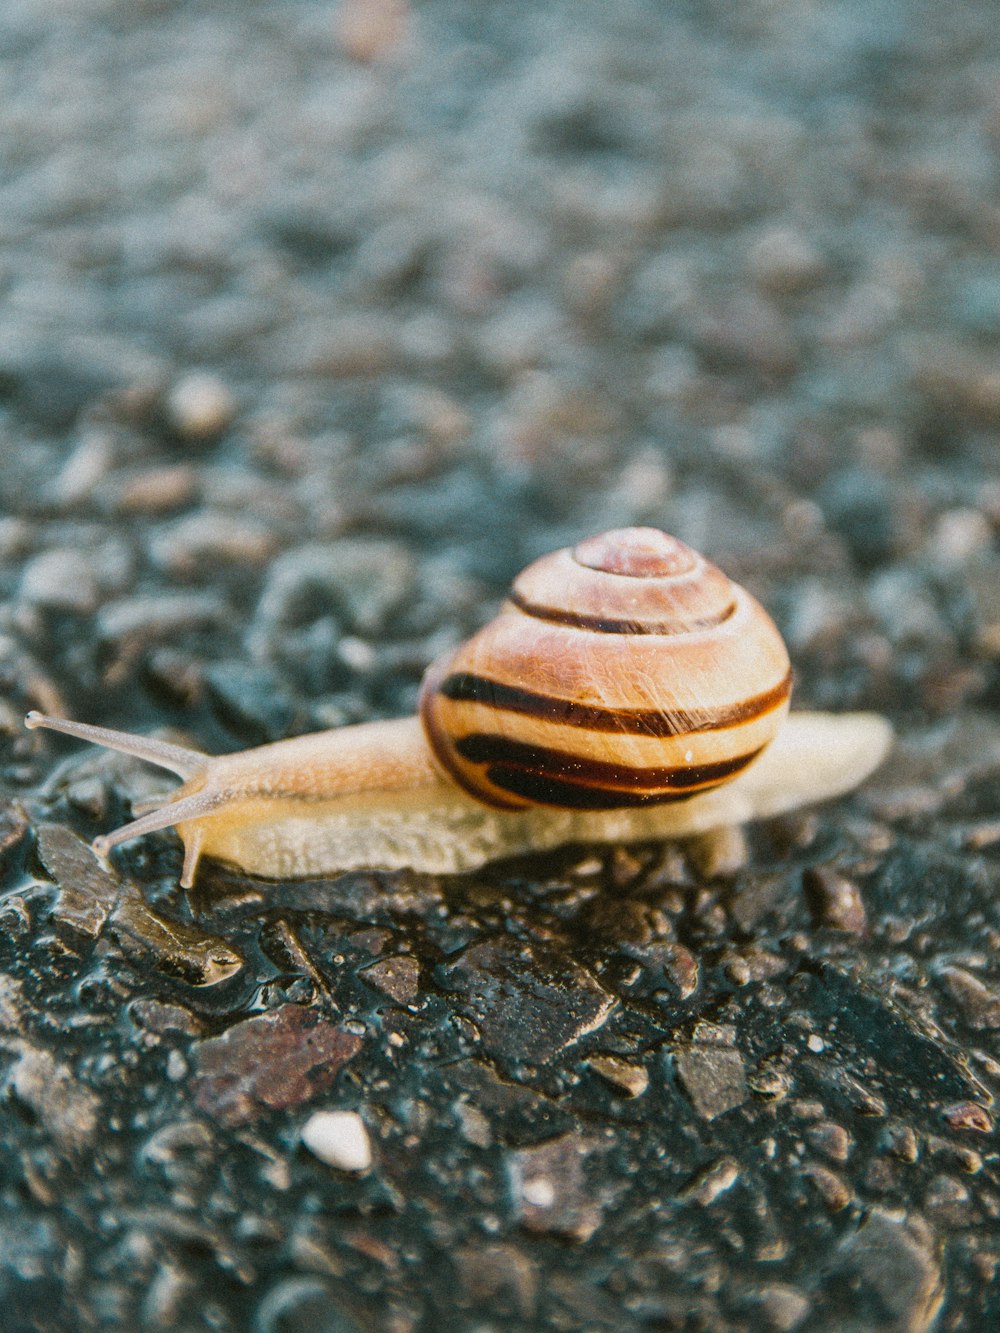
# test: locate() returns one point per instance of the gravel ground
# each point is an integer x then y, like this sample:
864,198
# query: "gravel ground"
320,321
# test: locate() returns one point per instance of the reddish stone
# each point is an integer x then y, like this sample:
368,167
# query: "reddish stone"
270,1062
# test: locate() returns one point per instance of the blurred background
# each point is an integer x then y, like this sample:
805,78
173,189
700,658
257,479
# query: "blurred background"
281,280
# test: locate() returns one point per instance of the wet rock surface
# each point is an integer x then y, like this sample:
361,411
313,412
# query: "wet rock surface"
319,323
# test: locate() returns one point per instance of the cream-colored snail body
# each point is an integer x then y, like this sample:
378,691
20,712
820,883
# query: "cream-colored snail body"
627,690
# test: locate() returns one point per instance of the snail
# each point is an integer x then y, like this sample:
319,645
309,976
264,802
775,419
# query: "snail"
627,690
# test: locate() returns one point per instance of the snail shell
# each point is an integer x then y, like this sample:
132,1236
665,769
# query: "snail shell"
626,671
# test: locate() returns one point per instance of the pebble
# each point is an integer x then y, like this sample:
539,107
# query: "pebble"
978,1000
61,580
968,1115
501,1278
832,1189
711,1072
528,1002
629,1078
370,30
157,490
783,1308
892,1261
175,948
397,976
784,261
158,616
719,1176
835,900
338,1138
297,1304
549,1188
269,1062
859,504
830,1139
199,543
200,406
87,891
68,1111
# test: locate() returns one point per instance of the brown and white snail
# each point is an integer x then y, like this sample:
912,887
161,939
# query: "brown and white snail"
627,690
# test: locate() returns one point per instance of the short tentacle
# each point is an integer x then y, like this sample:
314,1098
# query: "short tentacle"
192,855
196,806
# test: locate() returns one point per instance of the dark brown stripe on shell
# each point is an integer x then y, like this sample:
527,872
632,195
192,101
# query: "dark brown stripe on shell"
464,687
606,625
540,790
480,748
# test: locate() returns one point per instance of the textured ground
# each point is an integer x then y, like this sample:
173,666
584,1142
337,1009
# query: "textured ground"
317,323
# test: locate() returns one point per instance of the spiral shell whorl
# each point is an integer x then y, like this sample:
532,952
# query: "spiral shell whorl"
626,671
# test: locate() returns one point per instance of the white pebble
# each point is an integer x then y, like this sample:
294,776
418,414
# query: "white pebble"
339,1139
201,406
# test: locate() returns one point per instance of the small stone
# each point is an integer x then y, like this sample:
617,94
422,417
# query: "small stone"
783,1308
84,469
783,261
60,580
398,977
549,1189
369,30
830,1139
159,616
957,381
893,1263
957,1154
949,1201
65,1108
12,1003
473,1125
720,853
529,1001
157,490
968,1115
13,827
631,1079
180,1149
337,346
681,966
901,1141
979,1002
960,536
500,1278
165,1297
296,1304
835,1193
200,406
713,1181
860,1098
251,699
835,900
159,1016
269,1062
746,333
174,947
338,1138
770,1083
87,891
200,542
363,580
711,1072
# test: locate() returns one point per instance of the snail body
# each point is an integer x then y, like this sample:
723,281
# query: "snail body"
627,690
